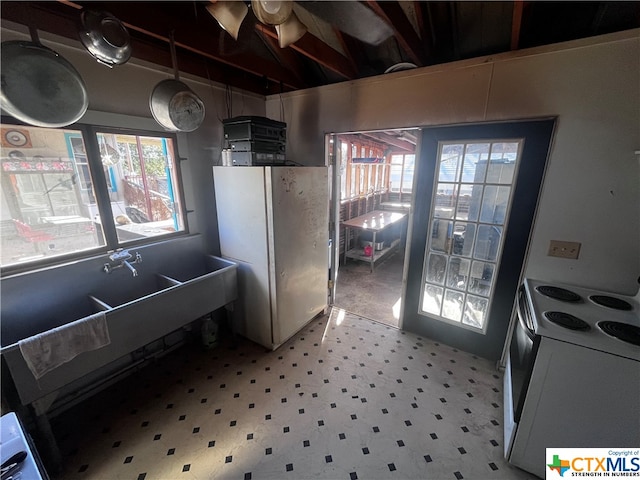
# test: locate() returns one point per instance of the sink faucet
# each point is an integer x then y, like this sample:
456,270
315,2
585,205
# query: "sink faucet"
130,267
122,257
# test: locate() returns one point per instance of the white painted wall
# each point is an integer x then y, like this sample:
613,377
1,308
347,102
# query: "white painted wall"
591,191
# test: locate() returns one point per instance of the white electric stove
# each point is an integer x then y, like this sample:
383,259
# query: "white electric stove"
17,453
591,318
572,373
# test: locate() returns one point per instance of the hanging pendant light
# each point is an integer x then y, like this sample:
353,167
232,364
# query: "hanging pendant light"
229,15
290,31
272,12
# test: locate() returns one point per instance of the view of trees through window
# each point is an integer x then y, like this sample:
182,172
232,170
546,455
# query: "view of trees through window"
53,191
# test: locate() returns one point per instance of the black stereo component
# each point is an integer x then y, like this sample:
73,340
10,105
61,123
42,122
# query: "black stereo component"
252,128
256,159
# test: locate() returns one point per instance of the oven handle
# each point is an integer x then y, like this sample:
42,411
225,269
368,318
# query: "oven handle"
521,309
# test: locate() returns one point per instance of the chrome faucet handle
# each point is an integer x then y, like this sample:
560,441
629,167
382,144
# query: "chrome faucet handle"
120,254
138,258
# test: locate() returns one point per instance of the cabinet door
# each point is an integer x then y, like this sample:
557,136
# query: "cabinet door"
242,226
300,217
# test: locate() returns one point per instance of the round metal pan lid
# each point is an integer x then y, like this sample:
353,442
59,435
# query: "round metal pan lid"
105,37
39,87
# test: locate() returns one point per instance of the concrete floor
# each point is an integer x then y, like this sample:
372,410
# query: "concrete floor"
373,295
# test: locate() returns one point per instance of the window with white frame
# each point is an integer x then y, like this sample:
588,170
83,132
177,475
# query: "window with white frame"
363,169
401,176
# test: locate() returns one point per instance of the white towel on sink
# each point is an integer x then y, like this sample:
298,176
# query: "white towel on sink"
50,349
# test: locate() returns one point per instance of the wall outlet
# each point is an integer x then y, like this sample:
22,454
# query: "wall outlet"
558,248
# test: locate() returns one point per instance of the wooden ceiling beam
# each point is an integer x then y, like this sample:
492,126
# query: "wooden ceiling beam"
425,29
392,14
516,23
350,47
318,51
285,56
65,23
387,139
159,25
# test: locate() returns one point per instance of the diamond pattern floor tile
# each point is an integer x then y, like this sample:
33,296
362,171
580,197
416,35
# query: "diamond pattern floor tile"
346,398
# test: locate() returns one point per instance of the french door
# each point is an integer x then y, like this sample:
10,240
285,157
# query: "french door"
476,192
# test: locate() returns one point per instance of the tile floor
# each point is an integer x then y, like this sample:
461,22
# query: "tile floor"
346,398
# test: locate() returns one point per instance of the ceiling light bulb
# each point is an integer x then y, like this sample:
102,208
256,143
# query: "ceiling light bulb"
271,6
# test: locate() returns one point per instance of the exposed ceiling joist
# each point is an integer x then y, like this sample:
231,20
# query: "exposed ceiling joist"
285,56
345,39
424,27
516,23
157,26
387,139
407,37
318,51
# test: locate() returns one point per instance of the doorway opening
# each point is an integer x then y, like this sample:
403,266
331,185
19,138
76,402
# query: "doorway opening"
374,195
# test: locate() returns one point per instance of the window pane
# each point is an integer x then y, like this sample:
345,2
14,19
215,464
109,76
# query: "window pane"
144,200
344,150
395,177
354,177
407,177
48,205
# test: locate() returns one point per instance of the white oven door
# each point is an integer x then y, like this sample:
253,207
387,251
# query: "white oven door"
521,352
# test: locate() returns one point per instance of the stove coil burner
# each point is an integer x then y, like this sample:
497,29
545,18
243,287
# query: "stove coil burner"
567,321
558,293
611,302
622,331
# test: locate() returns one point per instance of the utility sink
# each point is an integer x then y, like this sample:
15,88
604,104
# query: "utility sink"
129,290
196,267
138,310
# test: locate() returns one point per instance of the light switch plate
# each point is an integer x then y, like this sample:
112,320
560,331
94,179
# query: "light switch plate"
558,248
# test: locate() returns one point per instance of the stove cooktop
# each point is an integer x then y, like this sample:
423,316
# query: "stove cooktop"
591,318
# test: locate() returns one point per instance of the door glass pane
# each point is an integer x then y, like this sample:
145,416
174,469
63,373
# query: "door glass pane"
436,268
502,163
475,162
463,236
441,235
432,299
494,204
450,161
468,194
458,273
487,242
469,212
452,305
481,278
475,310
